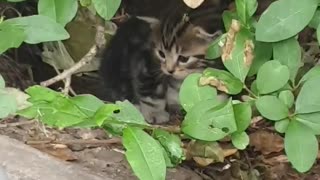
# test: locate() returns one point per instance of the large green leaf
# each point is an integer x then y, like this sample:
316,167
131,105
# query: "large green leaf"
39,28
129,113
301,146
313,72
191,92
60,11
87,103
272,76
238,60
288,52
106,8
311,120
272,108
209,122
308,100
11,35
284,19
144,154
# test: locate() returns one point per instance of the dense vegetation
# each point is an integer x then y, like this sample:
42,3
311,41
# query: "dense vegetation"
264,64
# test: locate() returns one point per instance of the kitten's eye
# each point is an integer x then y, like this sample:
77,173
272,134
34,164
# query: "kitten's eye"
161,53
183,59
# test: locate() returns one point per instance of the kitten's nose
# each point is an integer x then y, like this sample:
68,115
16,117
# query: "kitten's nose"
170,71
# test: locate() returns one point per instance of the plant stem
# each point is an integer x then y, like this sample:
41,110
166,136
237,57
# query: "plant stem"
250,92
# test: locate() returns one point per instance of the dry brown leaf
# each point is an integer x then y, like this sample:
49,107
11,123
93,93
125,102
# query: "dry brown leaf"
231,36
203,161
193,3
220,85
266,142
59,151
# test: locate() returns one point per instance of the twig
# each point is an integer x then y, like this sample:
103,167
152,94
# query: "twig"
77,141
85,60
16,124
67,86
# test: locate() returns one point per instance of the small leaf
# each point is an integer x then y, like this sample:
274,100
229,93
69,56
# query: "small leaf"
222,80
308,100
191,92
284,19
39,93
272,108
313,72
311,120
272,76
38,28
315,21
106,8
281,126
104,113
144,154
240,140
262,54
87,103
287,98
2,82
209,122
60,11
172,145
301,146
245,9
242,114
11,36
129,113
8,105
288,52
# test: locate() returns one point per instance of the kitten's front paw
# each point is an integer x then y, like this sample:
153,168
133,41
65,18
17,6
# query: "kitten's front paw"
157,117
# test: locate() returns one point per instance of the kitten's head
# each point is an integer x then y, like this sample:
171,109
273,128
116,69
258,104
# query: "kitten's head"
181,47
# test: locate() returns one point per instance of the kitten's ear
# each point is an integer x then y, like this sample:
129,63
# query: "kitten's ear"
203,34
152,21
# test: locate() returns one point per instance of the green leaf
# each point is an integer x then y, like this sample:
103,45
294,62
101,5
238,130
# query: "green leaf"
284,19
272,76
38,28
308,100
191,93
2,82
60,11
15,0
105,113
301,146
313,72
222,80
287,98
8,105
242,114
288,52
106,8
129,114
214,49
311,120
11,36
239,60
318,34
240,140
315,21
88,103
209,122
227,17
144,154
245,9
172,145
281,126
85,3
40,93
262,54
272,108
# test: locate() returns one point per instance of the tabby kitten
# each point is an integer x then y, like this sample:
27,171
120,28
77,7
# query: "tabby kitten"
148,58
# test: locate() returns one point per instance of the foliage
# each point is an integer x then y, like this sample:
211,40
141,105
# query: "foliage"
267,51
